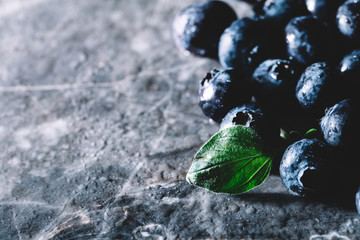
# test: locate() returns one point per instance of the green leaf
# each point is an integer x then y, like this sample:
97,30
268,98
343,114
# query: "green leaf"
312,133
232,161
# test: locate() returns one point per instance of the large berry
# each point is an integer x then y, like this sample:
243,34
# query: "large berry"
317,88
308,40
247,42
305,167
220,91
348,20
252,116
197,28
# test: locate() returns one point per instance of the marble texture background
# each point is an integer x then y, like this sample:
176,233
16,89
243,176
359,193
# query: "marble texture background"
98,126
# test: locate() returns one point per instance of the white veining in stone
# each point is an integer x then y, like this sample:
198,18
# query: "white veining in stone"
329,236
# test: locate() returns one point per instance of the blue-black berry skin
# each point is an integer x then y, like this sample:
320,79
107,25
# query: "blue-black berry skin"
245,115
252,116
348,20
316,88
220,91
197,28
274,82
308,40
324,9
251,1
339,126
357,201
247,42
304,168
237,41
349,70
281,10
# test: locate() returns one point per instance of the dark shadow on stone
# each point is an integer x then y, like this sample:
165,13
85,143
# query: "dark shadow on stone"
269,198
280,199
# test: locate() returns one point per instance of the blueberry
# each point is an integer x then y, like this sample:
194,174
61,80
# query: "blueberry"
197,28
247,42
350,64
252,116
220,91
340,130
274,82
308,40
348,20
349,69
281,10
357,201
251,1
316,87
339,126
237,41
324,9
305,167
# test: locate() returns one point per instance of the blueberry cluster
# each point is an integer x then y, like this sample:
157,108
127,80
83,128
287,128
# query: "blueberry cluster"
291,67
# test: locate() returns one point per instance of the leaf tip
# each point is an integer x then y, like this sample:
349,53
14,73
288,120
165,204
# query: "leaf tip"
188,179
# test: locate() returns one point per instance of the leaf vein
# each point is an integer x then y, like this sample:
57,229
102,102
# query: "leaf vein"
252,176
228,162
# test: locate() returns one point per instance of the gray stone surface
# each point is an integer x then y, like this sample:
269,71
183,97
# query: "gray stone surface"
98,126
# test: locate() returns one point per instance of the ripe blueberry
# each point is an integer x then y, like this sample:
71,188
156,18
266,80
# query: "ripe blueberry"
348,20
307,39
339,126
304,168
316,87
281,10
349,69
324,9
252,116
251,1
197,28
247,42
220,91
357,201
274,82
